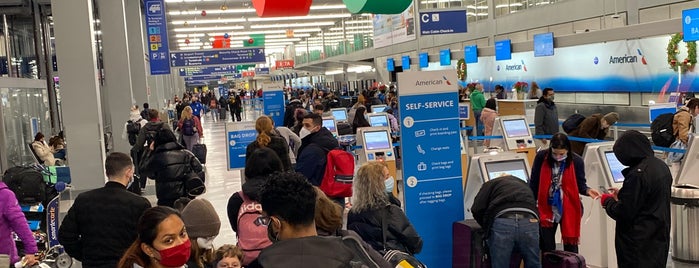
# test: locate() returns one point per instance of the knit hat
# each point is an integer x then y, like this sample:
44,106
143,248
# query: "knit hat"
200,219
611,118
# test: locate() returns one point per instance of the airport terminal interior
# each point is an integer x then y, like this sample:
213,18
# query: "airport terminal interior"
74,68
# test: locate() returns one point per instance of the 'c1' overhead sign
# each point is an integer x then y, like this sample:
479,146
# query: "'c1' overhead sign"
443,22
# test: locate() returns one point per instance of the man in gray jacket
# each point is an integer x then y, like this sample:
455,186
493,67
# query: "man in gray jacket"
546,115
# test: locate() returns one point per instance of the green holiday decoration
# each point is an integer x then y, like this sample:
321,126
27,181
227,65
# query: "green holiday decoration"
461,69
377,6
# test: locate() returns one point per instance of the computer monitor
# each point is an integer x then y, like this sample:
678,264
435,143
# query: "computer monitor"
340,114
613,167
515,128
495,166
378,120
329,123
379,108
376,140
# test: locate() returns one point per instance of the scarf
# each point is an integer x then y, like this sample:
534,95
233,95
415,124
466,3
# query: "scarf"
570,220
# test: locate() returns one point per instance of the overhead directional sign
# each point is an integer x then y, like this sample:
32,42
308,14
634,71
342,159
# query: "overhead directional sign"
264,70
202,78
443,22
158,49
211,70
690,24
217,57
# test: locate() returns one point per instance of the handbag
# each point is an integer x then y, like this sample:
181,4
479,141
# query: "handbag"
395,257
674,156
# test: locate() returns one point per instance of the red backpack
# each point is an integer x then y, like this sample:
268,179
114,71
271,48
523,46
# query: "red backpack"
252,236
339,173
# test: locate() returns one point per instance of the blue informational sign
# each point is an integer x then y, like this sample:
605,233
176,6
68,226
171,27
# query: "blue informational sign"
471,54
261,70
424,59
202,78
543,45
443,22
52,221
503,50
239,135
390,65
273,105
196,83
217,57
445,57
430,144
211,70
156,25
463,111
405,61
690,24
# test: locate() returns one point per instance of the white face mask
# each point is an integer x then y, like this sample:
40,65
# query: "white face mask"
304,132
206,242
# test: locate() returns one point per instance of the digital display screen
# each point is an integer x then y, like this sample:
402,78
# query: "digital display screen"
330,125
543,44
615,167
378,108
390,65
514,167
339,114
503,50
378,120
471,54
515,128
406,62
424,60
376,140
445,57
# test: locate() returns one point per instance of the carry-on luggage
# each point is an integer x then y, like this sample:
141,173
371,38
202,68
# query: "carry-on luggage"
467,251
199,150
222,113
562,259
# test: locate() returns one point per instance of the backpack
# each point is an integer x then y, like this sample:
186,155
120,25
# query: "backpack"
572,122
132,128
252,235
152,130
339,174
661,130
188,127
27,183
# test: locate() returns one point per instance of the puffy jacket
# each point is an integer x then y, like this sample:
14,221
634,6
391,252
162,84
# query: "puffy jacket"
590,128
488,118
13,220
312,154
681,124
83,230
311,251
400,233
167,165
278,145
642,214
44,153
546,118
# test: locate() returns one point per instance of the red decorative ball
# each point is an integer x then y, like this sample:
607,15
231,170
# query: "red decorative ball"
250,41
186,41
203,13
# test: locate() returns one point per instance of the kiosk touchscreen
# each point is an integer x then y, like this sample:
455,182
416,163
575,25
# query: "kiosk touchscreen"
379,108
330,124
689,168
377,146
489,166
515,132
340,114
378,120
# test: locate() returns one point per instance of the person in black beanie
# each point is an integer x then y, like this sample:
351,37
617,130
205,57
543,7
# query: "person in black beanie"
203,225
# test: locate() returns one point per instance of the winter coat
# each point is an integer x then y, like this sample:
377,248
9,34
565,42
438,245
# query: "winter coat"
197,108
13,220
311,251
312,154
498,195
681,124
642,214
539,159
44,153
400,233
278,145
590,128
197,125
167,165
546,118
83,230
353,111
477,100
289,111
488,118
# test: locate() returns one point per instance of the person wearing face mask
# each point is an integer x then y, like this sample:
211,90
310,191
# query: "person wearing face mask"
371,206
316,141
82,232
162,241
557,181
595,126
546,115
202,225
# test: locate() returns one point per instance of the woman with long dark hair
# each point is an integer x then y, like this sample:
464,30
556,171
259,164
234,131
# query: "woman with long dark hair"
267,137
557,181
360,119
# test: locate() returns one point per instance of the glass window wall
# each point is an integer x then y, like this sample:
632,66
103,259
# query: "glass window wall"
504,7
24,112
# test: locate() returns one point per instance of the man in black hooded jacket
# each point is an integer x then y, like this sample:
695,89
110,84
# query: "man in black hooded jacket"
642,207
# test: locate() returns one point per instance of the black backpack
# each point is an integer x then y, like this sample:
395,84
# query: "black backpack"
27,183
132,128
661,130
152,130
572,122
188,127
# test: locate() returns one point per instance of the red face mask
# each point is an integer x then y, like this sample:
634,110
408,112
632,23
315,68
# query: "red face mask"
175,256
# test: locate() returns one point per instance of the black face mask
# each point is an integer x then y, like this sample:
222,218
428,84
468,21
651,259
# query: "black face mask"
270,233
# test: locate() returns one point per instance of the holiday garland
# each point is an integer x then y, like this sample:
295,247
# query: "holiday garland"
673,49
461,69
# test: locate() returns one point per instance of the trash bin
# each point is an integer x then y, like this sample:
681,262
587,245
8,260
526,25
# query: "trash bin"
684,207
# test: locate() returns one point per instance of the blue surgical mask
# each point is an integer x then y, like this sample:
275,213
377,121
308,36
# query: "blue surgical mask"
560,158
389,183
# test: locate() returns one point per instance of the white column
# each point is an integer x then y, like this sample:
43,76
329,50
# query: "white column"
80,91
137,52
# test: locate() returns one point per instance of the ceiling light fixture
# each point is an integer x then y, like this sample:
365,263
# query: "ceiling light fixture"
180,22
202,29
292,25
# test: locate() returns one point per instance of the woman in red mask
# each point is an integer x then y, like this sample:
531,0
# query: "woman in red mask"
162,241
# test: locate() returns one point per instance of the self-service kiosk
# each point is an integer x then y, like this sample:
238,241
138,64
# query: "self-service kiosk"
689,170
516,135
330,124
379,108
340,114
378,120
488,166
602,170
376,146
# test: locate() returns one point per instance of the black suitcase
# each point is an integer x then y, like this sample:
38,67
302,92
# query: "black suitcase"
467,251
222,113
199,150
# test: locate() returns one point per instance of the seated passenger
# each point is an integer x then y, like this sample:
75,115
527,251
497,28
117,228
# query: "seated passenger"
595,126
162,241
58,147
42,150
228,256
371,206
203,226
506,210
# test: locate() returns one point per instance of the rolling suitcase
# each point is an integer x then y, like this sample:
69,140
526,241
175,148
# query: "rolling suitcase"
562,259
199,150
222,113
467,252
